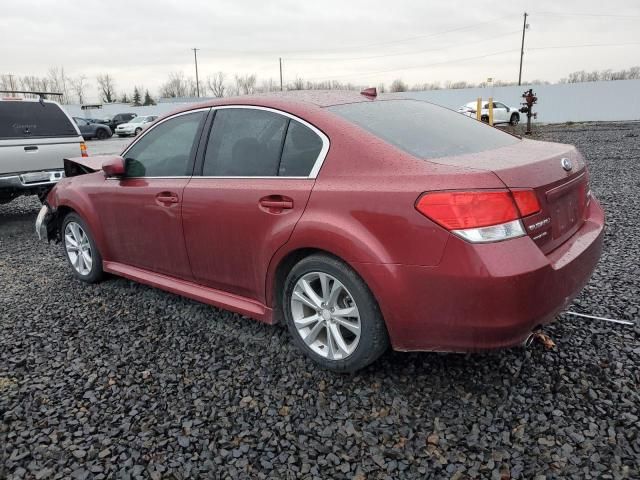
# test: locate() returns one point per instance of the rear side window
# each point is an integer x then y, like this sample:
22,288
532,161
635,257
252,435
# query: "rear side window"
423,129
22,120
244,143
167,149
301,149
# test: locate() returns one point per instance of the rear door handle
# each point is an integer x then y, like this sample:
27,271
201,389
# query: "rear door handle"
31,148
167,197
276,203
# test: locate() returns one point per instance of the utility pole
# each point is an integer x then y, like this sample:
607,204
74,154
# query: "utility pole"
195,57
280,59
524,28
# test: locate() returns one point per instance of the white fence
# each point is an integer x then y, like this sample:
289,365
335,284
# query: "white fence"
569,102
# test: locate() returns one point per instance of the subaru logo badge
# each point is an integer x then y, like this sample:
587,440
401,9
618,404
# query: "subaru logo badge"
566,164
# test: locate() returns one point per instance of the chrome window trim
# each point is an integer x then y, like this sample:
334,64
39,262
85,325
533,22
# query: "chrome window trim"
312,174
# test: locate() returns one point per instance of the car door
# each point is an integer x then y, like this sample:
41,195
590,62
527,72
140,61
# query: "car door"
85,129
257,171
500,112
141,213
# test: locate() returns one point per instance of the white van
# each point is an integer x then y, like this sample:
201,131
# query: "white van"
35,137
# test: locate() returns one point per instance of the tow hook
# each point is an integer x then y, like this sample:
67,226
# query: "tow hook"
540,337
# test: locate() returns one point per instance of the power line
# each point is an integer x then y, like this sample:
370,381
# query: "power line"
362,46
585,45
382,55
612,15
417,66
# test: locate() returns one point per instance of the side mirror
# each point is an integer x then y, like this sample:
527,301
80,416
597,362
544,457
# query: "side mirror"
114,167
508,109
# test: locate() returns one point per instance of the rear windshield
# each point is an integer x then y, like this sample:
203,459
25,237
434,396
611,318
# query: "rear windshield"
20,119
423,129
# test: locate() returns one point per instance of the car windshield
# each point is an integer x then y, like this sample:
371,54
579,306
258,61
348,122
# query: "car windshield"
423,129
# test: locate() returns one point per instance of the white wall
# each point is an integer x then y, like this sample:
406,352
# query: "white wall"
575,102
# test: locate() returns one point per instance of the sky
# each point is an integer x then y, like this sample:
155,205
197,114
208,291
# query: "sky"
140,42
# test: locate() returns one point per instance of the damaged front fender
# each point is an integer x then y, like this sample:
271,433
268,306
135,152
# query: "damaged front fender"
48,224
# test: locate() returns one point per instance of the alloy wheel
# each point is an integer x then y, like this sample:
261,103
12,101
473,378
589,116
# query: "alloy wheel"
325,315
78,247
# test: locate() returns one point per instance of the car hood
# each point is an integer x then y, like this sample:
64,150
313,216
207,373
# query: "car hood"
128,125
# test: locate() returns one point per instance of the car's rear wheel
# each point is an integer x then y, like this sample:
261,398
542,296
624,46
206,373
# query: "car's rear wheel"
101,134
332,315
138,130
515,118
81,250
484,118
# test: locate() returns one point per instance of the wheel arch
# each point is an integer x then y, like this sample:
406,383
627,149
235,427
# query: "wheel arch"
280,267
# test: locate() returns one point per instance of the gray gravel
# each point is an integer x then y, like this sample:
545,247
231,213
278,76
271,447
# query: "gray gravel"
118,380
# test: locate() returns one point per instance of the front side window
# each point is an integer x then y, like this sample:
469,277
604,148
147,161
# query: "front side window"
166,150
80,122
245,143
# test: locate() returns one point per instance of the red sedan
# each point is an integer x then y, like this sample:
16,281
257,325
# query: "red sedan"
359,221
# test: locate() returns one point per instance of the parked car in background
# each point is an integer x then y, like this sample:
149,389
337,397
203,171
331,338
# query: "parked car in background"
35,137
358,222
501,113
134,126
118,119
90,130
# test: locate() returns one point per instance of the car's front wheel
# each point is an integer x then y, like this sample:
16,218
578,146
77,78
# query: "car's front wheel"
81,250
101,134
332,315
137,132
515,118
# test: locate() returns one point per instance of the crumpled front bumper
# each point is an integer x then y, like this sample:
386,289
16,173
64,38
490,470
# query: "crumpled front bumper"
42,221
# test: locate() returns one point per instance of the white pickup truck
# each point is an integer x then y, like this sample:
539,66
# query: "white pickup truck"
35,137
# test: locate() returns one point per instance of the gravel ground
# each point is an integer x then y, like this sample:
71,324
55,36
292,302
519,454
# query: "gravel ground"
118,380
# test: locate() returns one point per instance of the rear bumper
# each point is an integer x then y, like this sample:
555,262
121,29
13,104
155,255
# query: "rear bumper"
484,296
30,180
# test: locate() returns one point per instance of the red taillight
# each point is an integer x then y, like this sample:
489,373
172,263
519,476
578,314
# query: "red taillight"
527,202
83,149
463,210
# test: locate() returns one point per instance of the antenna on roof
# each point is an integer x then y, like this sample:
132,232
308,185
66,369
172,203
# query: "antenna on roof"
369,92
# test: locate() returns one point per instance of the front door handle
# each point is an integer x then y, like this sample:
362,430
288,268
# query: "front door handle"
276,203
167,198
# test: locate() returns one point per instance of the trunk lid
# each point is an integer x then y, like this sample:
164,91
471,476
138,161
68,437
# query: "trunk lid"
562,192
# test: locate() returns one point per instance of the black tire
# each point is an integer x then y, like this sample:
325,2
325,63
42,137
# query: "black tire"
515,119
374,339
484,119
95,273
137,132
101,134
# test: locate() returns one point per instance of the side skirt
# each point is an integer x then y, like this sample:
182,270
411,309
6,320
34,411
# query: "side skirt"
211,296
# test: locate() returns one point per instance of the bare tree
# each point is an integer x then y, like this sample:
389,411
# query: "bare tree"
79,86
107,84
245,85
298,84
398,86
59,82
215,83
8,82
175,86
